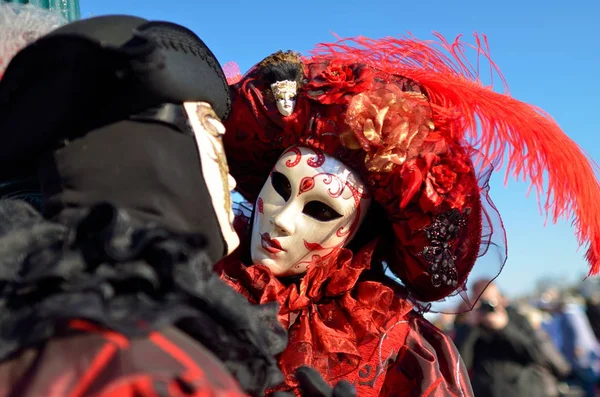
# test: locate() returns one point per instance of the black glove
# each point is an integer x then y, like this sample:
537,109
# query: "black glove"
313,385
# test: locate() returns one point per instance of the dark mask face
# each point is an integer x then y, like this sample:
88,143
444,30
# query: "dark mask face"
150,169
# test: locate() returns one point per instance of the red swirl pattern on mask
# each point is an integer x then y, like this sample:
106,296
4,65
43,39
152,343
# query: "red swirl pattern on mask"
315,162
308,183
292,163
319,258
261,206
318,160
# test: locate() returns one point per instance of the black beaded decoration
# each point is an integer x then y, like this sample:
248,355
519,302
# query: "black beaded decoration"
439,255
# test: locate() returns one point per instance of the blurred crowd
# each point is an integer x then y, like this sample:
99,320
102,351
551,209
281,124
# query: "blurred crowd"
542,345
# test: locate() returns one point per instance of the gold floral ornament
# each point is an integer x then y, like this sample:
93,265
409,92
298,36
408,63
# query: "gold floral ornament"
389,124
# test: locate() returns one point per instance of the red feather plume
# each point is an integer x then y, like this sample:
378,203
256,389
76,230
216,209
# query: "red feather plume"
497,125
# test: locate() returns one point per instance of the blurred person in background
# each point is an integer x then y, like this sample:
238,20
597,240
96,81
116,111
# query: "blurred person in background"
445,322
593,313
462,322
549,304
590,290
558,367
579,344
500,349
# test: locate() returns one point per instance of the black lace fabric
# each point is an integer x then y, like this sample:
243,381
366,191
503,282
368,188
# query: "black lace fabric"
131,278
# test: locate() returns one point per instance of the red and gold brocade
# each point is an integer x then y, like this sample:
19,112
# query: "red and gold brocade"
364,332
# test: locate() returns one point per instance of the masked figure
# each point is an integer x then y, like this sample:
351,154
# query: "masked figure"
375,174
283,73
109,291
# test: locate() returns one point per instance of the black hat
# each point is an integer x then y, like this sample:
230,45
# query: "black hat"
95,109
95,72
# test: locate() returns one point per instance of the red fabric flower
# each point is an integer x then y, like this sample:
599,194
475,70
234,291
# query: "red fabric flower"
439,180
330,84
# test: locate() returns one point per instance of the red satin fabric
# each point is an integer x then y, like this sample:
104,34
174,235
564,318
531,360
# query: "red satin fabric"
354,330
89,361
427,365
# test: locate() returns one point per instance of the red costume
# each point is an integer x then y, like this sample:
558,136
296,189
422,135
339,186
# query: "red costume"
413,119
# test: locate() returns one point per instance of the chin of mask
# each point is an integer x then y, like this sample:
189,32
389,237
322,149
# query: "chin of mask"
309,208
208,131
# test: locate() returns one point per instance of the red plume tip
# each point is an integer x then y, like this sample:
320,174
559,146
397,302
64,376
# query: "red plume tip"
503,129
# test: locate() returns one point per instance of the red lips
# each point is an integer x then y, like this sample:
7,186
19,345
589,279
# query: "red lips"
270,245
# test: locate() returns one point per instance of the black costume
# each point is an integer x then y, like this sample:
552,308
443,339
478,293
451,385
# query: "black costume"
109,293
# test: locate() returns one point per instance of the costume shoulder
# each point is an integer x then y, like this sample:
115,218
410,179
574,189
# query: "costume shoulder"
427,364
128,278
93,361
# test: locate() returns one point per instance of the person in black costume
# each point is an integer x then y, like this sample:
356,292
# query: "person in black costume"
109,290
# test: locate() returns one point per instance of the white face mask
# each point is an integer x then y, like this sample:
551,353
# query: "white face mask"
285,96
309,208
208,131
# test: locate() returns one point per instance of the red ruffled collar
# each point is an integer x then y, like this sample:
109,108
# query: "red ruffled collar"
335,321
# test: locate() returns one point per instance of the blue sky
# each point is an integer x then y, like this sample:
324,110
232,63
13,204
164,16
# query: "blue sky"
549,52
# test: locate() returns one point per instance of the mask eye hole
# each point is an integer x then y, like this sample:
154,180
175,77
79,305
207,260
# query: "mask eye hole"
281,185
320,211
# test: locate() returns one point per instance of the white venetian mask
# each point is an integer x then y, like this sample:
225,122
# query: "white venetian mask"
285,96
310,207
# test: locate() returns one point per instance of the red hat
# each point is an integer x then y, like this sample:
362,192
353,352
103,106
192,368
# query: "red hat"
413,118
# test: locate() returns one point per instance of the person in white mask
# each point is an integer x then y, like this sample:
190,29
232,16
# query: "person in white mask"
368,173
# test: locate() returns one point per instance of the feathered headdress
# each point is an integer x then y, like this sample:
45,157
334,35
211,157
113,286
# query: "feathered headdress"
415,120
